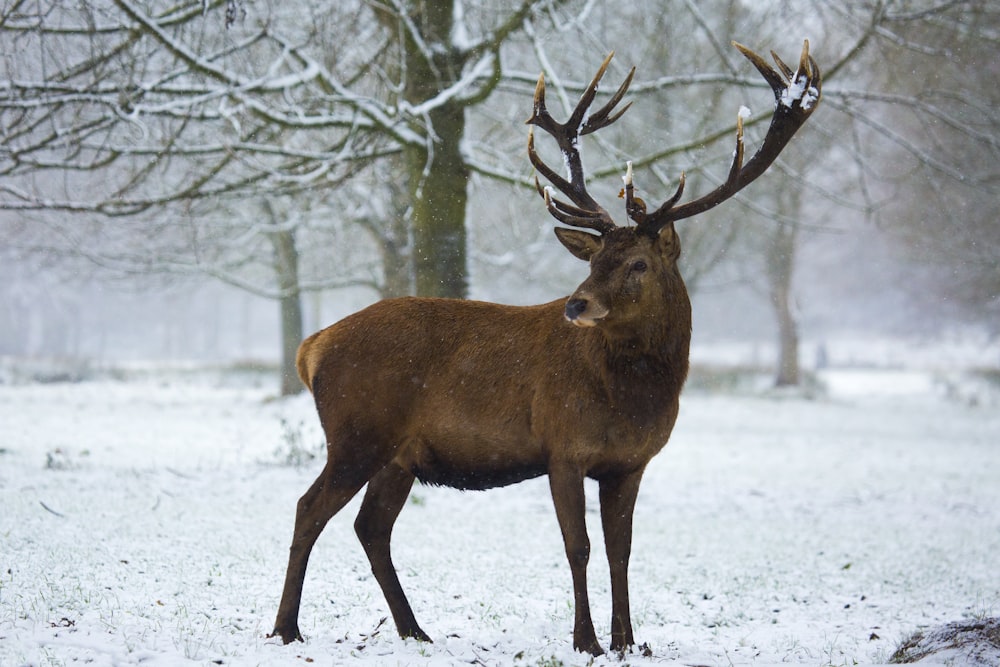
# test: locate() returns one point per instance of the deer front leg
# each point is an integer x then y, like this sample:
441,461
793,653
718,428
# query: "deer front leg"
566,482
618,496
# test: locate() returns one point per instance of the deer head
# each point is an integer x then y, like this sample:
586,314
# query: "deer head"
633,266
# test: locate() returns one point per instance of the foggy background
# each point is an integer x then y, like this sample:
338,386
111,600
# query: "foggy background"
161,166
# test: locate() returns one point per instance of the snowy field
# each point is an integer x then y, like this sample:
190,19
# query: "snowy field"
146,521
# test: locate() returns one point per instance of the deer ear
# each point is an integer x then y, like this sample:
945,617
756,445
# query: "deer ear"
667,242
581,244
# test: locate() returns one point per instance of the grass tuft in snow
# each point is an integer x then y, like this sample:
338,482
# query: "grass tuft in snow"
294,449
972,643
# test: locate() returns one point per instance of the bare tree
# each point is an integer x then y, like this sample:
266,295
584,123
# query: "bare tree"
176,133
935,147
249,141
159,143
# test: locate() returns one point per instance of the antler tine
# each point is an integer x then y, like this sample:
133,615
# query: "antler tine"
576,118
786,71
585,212
588,214
602,117
796,95
573,216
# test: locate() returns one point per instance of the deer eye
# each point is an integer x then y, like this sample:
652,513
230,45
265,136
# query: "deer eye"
638,266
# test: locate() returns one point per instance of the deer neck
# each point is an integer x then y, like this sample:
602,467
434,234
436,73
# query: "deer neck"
646,365
660,335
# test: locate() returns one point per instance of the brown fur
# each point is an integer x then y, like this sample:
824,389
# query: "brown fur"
475,395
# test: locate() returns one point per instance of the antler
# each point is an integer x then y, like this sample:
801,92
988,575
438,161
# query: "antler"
796,96
585,212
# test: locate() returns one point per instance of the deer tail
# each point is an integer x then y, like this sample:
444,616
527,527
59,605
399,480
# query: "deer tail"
304,362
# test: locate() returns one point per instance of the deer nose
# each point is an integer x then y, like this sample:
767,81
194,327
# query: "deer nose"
575,308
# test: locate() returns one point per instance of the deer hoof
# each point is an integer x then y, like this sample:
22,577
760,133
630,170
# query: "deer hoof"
622,646
591,647
418,634
288,635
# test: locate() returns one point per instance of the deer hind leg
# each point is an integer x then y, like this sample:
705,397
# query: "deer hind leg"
341,479
566,483
618,496
384,499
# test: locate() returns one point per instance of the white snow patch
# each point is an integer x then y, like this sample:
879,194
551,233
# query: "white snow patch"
768,531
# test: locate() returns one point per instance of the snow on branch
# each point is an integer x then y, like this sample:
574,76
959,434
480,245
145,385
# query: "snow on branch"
482,69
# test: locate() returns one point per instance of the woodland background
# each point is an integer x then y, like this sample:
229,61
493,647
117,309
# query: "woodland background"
214,179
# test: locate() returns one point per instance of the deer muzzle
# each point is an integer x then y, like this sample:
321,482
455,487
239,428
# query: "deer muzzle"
584,311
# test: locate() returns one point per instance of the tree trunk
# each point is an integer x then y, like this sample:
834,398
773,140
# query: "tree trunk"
286,266
780,267
439,200
397,267
437,174
393,235
291,337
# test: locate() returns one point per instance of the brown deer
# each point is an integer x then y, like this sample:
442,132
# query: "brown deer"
476,395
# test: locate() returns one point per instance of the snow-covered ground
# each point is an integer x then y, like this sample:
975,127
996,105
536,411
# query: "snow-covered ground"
146,521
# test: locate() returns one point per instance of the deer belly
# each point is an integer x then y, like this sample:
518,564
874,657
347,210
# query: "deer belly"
468,465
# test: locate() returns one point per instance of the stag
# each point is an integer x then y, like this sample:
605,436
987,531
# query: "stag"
476,395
